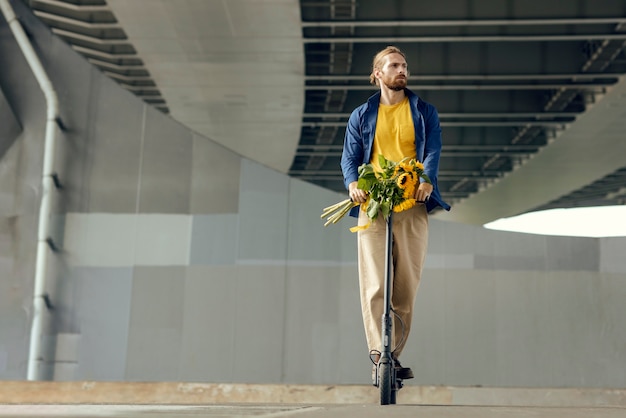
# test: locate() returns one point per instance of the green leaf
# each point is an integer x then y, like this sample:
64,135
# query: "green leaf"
385,208
365,169
382,161
365,183
372,209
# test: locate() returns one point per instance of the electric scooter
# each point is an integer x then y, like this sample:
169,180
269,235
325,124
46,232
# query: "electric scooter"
386,379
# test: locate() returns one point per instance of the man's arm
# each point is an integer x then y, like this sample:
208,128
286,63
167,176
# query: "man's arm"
432,152
432,148
352,155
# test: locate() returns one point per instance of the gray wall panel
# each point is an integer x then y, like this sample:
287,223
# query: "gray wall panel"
518,251
312,324
156,323
208,339
608,325
572,253
259,312
578,319
263,211
523,306
103,303
100,239
612,258
163,240
14,324
165,165
426,347
211,161
9,175
524,329
214,239
306,226
352,361
470,347
9,126
111,152
348,243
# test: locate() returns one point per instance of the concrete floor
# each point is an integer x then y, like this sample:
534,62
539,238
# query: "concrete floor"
25,399
305,411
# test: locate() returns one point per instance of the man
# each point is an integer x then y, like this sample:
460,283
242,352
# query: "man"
396,123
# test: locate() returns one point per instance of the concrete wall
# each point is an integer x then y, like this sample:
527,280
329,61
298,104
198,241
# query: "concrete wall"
182,261
9,128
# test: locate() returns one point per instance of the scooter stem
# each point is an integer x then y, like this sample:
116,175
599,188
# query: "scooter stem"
386,319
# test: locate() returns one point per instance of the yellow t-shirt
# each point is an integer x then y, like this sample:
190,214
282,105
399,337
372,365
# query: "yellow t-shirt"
395,133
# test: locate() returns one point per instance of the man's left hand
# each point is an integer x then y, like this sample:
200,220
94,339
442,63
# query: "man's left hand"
423,191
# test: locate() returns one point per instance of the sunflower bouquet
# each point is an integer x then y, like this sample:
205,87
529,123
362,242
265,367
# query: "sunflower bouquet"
390,189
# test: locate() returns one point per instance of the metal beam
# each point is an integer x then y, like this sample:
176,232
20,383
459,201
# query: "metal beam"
76,22
491,115
102,54
444,173
458,123
128,78
91,39
118,67
465,22
75,7
444,153
467,38
339,177
135,89
553,86
471,77
468,147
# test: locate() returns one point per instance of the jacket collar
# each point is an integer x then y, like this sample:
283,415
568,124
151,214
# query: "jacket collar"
374,100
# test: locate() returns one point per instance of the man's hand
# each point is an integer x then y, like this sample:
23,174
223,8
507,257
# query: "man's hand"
423,191
357,195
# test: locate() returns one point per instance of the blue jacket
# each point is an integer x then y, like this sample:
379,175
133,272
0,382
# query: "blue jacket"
357,145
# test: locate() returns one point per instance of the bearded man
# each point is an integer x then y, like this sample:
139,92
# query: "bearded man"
397,124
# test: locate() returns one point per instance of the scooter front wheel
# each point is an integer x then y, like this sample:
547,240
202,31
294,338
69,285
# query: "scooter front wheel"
385,384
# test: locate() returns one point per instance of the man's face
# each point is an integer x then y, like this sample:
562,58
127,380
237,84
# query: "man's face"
394,72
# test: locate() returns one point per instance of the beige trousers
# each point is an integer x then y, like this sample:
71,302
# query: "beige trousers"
410,241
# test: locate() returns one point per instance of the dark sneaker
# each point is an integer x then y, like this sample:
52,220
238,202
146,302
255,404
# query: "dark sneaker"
403,373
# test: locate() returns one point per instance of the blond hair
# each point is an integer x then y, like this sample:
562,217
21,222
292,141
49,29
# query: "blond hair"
379,61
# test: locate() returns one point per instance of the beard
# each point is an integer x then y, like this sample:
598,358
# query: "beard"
396,84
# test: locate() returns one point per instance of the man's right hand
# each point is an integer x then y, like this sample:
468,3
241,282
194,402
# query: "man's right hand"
357,195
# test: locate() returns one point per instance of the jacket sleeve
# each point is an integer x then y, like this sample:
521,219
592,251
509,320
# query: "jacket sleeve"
352,155
432,153
432,147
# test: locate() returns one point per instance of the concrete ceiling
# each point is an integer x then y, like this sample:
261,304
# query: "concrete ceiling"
531,93
591,148
231,70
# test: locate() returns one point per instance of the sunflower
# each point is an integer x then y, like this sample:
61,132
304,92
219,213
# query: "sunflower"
403,166
409,190
403,180
404,205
